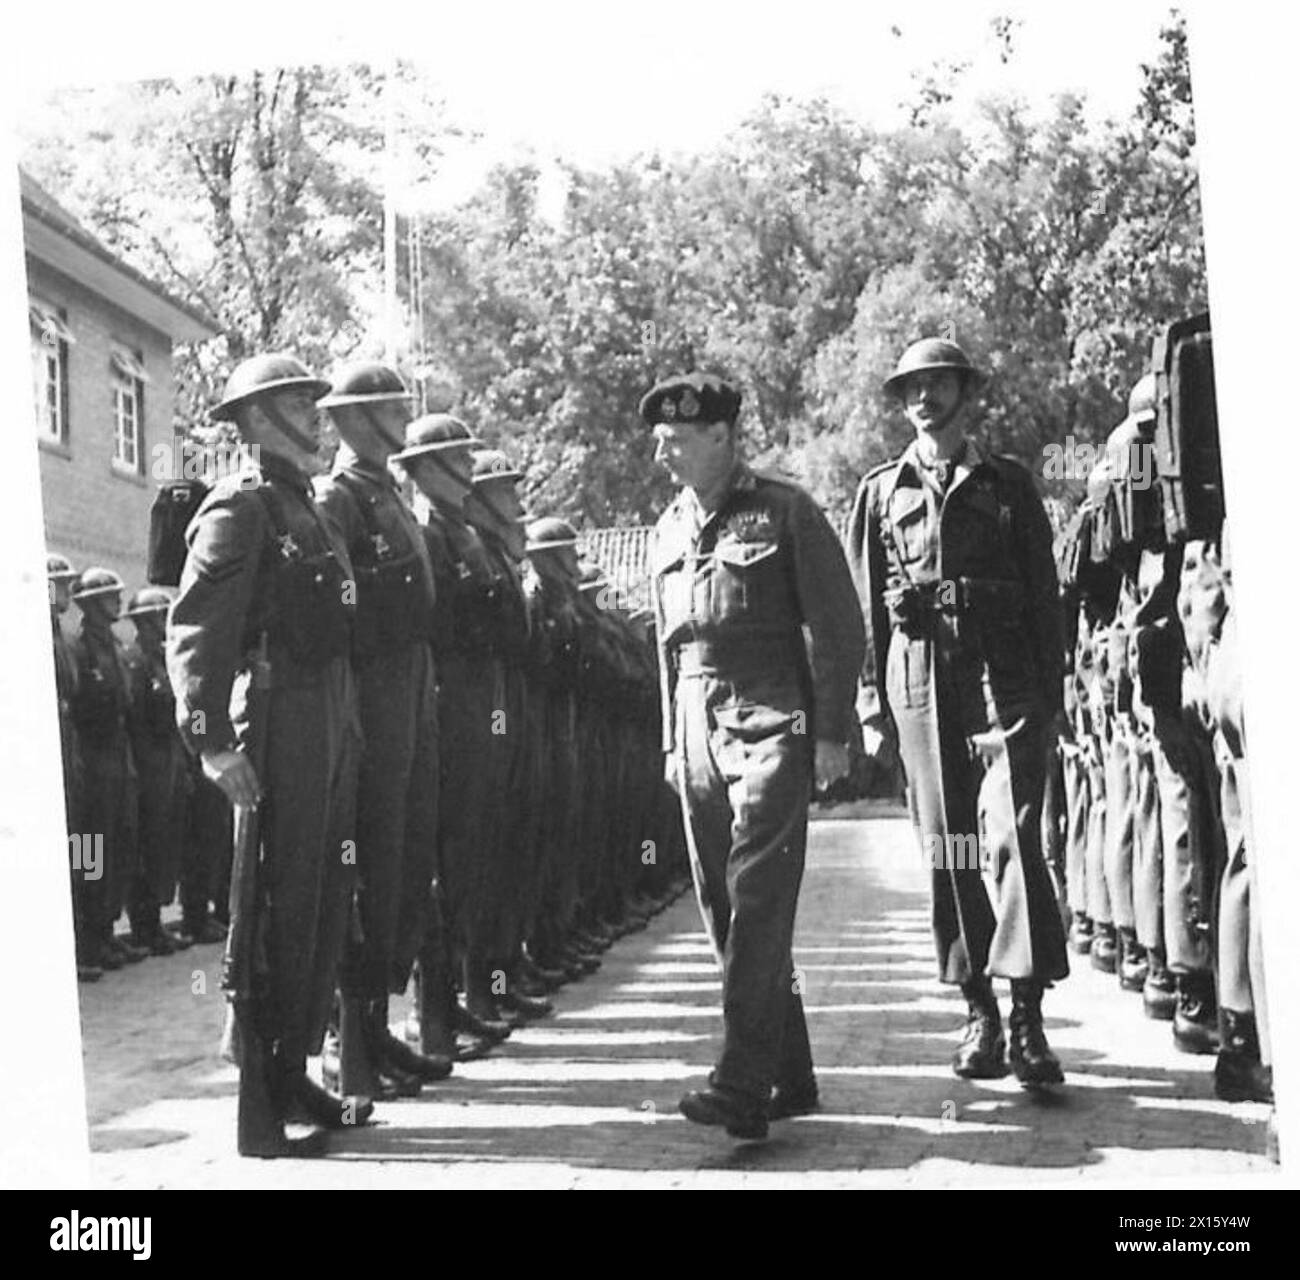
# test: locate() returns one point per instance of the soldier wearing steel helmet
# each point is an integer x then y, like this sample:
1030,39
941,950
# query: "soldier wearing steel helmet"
264,592
397,795
438,457
162,773
760,640
61,576
952,551
494,507
99,711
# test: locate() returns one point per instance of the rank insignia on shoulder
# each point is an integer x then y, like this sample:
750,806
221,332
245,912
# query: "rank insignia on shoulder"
289,548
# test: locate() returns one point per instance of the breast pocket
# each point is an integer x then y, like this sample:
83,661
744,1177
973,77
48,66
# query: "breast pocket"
908,525
673,583
740,569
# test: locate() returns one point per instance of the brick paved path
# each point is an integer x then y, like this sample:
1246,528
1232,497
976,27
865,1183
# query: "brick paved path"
588,1096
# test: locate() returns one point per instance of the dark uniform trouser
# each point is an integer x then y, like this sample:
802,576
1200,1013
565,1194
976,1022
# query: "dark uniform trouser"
108,798
745,779
466,702
396,818
311,771
205,873
163,790
994,790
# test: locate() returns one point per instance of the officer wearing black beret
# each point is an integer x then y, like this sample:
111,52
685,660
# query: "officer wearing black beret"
760,640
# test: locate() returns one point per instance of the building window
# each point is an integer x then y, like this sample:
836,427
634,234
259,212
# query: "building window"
129,377
51,339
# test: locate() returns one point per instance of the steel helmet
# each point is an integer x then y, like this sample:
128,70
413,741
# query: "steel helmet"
435,432
931,353
59,567
96,582
1142,399
263,375
550,532
492,464
367,382
148,600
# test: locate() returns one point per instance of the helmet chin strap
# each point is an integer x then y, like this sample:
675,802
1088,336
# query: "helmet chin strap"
282,424
459,480
394,444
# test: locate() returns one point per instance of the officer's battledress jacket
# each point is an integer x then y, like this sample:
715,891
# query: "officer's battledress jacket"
974,586
763,582
261,559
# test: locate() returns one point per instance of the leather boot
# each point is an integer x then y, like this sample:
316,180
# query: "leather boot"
1196,1019
1239,1075
264,1102
435,1004
1159,992
982,1052
1133,962
1031,1057
1081,934
394,1055
357,1063
1104,948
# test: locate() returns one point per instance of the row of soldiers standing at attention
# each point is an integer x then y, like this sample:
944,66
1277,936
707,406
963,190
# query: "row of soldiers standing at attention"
142,821
1147,812
447,737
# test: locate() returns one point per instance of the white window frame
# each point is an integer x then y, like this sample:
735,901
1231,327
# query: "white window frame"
128,379
51,339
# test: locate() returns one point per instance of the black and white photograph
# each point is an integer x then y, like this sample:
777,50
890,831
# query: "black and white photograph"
648,603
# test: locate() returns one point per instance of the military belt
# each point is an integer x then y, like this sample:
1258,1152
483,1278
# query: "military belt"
741,655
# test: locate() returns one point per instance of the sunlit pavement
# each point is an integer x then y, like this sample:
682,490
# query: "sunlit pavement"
588,1097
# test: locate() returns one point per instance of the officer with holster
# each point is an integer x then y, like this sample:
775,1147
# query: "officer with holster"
953,556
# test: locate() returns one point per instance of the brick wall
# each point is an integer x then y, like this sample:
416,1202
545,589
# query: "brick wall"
94,513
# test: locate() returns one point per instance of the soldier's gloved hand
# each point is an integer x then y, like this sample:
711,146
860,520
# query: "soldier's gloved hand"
830,764
233,772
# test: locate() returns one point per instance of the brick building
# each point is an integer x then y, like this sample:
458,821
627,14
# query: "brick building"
101,345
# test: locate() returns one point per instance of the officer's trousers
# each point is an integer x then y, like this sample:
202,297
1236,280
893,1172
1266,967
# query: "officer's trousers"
397,812
309,858
999,917
745,780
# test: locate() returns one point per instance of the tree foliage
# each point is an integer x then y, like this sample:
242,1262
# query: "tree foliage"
798,257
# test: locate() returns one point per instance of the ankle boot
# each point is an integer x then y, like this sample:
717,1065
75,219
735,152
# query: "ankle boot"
1133,963
1104,948
981,1054
1239,1075
1081,934
1159,992
1031,1057
1195,1015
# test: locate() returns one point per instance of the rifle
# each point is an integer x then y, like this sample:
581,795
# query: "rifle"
260,1127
